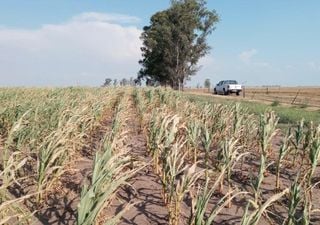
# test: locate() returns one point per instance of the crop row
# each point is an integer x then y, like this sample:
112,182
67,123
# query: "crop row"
201,150
43,132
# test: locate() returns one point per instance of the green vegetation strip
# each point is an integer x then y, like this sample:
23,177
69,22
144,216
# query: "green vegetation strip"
288,115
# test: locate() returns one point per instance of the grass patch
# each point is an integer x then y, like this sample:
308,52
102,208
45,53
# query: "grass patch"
275,103
303,106
288,115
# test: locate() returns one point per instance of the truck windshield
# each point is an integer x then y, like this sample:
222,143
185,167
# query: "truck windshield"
232,82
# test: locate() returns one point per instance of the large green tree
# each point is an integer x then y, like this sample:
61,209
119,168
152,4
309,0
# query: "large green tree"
207,84
174,42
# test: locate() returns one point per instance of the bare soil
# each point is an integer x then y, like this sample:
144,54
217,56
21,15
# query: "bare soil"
145,190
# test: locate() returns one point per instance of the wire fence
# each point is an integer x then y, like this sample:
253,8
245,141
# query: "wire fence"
302,96
299,96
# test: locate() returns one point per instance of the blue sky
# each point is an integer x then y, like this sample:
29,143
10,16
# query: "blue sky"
77,42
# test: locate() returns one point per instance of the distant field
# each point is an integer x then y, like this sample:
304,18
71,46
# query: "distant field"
299,96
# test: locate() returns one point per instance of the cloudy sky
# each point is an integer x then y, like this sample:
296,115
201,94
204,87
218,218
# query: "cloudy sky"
79,42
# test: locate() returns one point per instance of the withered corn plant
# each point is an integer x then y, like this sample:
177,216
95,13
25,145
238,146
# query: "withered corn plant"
244,127
295,197
199,215
162,131
109,174
238,118
229,156
207,137
283,151
169,155
141,105
41,128
154,136
314,158
111,169
150,95
57,148
193,136
169,129
202,199
118,121
178,178
8,149
12,162
12,207
253,218
267,131
206,112
314,154
298,139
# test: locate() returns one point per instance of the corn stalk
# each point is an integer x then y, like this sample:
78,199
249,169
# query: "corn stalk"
283,151
109,174
267,131
256,214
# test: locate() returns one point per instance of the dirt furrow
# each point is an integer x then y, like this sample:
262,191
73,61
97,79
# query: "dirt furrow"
145,189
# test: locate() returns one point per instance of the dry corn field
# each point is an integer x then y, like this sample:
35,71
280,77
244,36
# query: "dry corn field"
90,156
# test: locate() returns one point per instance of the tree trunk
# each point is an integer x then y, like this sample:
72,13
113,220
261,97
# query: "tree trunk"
182,84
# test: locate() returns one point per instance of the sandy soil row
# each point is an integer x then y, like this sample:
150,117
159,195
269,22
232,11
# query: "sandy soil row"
145,189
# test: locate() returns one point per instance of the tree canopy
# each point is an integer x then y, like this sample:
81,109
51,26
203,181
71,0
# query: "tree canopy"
174,42
207,83
107,82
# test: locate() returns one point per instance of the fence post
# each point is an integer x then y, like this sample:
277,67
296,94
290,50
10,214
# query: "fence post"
253,95
295,97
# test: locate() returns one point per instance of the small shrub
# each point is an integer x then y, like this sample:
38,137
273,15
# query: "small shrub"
303,106
275,103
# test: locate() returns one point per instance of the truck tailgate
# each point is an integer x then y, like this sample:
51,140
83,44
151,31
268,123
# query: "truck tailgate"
235,87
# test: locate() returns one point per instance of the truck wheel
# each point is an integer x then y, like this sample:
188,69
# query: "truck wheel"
215,91
238,93
225,92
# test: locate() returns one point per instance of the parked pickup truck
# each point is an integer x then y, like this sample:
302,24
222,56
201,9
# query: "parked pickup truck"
226,87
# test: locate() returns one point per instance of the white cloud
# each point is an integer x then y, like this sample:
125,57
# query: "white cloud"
103,17
213,68
247,57
209,62
290,67
94,44
314,65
